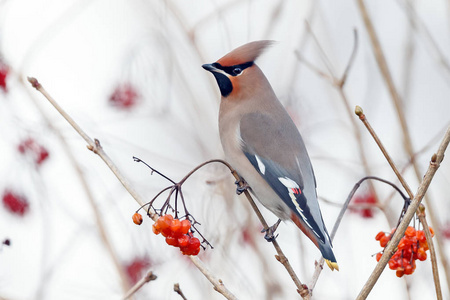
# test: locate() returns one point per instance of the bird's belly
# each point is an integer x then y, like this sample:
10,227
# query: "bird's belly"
259,187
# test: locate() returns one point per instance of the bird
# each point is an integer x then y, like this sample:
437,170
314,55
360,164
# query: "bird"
262,143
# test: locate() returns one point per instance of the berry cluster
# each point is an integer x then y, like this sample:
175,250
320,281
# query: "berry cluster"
15,203
124,96
177,234
4,71
412,246
136,269
31,148
368,200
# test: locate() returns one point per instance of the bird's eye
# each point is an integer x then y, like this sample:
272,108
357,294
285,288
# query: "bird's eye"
237,71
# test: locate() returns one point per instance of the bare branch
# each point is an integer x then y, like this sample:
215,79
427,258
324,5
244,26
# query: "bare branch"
177,289
390,249
398,104
147,278
97,149
434,267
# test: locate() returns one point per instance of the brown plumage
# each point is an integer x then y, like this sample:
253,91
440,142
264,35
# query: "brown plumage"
262,143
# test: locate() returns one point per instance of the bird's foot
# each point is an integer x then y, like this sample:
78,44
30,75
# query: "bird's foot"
242,186
269,236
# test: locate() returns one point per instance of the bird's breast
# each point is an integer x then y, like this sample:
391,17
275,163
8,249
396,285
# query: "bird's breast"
231,143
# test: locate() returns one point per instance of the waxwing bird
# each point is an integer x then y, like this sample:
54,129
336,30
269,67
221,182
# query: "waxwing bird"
262,143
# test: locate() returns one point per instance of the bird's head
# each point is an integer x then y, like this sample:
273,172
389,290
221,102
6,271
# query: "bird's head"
237,69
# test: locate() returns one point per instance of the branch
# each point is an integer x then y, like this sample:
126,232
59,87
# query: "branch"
319,265
359,112
398,104
390,249
177,289
94,146
147,278
434,267
362,117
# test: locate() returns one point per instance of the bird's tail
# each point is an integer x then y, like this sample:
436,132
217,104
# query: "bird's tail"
328,255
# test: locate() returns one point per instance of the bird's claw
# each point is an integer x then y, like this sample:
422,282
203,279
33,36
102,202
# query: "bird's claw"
242,186
269,236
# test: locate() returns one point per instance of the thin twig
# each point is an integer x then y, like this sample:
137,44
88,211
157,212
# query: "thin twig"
434,267
359,112
392,245
398,104
319,265
97,149
301,289
147,278
177,289
89,194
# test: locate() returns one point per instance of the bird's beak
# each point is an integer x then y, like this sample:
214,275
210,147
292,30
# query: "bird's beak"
209,67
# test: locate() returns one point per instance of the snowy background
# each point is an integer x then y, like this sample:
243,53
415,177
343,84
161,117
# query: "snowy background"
129,73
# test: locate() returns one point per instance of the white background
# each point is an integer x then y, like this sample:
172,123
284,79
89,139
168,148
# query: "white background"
81,50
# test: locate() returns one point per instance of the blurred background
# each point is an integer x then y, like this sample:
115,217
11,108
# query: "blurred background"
129,73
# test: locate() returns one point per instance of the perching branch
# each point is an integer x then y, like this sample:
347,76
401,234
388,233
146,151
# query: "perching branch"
359,112
319,265
399,107
390,248
94,146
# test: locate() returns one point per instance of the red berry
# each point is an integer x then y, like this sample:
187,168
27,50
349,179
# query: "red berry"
408,270
15,203
175,226
4,72
378,257
34,150
156,229
172,241
137,219
185,226
195,251
136,268
379,235
183,240
164,222
446,230
124,96
365,199
393,264
420,235
384,241
410,231
194,243
421,254
400,272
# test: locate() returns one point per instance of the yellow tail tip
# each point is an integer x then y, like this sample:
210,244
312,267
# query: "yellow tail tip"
332,265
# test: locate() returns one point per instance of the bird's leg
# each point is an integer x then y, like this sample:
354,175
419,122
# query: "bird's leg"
270,231
242,186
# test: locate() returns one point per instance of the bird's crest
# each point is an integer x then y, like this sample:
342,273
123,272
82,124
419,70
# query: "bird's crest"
245,53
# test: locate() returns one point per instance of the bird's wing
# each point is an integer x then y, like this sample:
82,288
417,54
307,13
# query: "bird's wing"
276,150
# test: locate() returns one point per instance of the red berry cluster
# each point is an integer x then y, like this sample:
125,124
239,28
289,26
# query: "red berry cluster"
412,246
177,234
4,71
15,203
136,268
124,96
368,199
32,148
446,230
